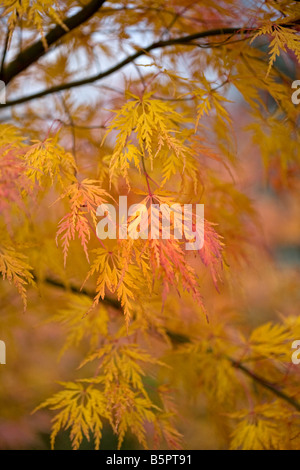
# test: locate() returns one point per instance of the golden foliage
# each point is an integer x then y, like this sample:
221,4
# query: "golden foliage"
157,332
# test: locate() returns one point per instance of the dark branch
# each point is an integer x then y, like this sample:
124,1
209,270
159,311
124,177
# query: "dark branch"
108,300
185,40
265,384
37,50
178,338
4,51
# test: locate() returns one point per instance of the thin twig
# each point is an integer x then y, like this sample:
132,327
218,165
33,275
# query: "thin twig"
4,51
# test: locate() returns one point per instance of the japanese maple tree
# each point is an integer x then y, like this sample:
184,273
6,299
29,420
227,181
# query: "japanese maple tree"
165,102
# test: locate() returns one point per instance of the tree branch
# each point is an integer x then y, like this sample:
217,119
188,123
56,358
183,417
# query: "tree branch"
178,338
4,52
108,300
37,50
265,384
185,40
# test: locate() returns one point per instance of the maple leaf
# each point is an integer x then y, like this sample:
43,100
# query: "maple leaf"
78,325
130,411
272,341
46,161
211,252
210,99
83,199
168,262
14,184
10,134
261,435
121,375
14,268
116,273
282,38
259,429
33,12
156,124
80,409
165,429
